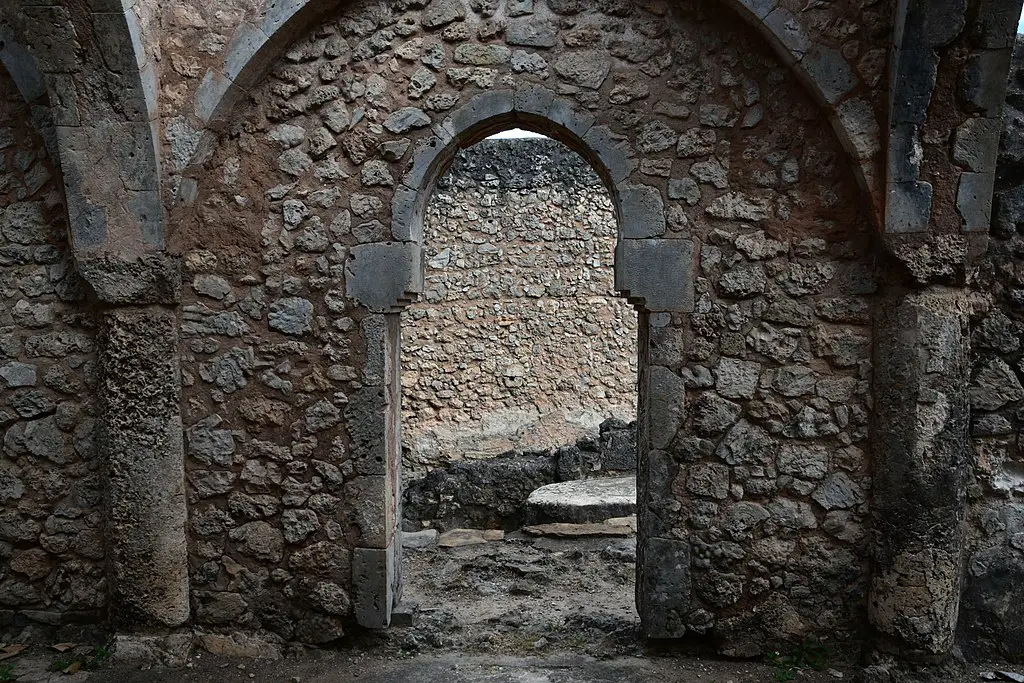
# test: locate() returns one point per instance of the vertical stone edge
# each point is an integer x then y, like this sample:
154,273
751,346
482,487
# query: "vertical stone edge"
376,563
141,440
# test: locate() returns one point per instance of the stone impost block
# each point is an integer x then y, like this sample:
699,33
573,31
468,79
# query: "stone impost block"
908,207
656,273
384,276
121,281
974,200
663,586
374,573
641,211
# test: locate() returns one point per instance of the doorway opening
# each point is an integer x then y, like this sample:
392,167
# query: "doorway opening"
519,400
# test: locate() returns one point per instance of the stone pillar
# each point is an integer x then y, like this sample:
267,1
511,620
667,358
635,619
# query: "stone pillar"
141,439
373,417
921,455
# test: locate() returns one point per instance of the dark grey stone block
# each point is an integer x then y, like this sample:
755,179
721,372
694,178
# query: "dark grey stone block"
977,144
384,276
664,587
983,84
829,72
372,587
908,207
656,273
915,75
641,211
602,143
974,200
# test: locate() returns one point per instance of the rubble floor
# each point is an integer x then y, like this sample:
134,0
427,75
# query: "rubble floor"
518,610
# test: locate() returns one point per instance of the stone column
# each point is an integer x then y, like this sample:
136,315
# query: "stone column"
140,438
921,455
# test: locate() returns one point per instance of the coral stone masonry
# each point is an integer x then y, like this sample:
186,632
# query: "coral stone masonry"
248,252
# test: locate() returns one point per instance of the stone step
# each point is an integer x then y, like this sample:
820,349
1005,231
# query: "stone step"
582,501
616,526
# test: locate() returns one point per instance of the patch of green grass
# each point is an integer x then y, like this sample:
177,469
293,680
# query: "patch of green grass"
99,655
90,660
810,654
7,673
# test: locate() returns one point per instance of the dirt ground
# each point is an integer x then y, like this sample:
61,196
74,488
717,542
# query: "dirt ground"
520,610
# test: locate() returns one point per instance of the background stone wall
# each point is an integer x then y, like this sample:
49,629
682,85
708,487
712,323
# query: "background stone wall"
519,342
51,482
992,610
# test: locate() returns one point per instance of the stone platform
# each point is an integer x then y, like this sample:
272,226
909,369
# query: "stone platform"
583,500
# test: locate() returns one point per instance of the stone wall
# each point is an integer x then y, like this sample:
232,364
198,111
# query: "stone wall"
755,471
519,342
51,480
992,612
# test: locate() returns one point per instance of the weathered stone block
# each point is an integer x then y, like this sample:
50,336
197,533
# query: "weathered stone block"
641,211
974,201
908,207
372,584
142,441
983,84
976,144
787,34
384,276
664,587
829,73
609,152
495,107
656,273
